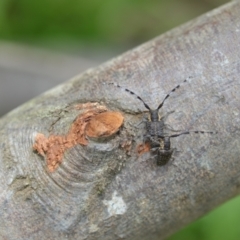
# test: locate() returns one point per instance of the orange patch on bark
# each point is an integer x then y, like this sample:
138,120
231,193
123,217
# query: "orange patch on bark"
104,124
94,122
142,148
52,148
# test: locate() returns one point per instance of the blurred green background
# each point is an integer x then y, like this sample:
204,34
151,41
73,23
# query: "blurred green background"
98,27
119,24
221,223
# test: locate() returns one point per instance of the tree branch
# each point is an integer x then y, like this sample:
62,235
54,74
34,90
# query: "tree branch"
106,190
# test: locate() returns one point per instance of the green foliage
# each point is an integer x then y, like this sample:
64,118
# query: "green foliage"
221,223
112,21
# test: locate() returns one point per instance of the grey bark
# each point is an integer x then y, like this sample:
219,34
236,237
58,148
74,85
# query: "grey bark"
114,194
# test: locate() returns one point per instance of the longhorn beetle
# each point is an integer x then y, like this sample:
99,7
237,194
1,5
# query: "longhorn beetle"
159,142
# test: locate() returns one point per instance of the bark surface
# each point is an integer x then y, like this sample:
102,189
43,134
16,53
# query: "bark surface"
105,190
